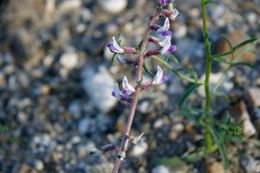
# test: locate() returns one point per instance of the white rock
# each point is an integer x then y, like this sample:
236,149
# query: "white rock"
69,60
43,140
140,148
158,123
75,140
113,6
160,169
248,128
38,164
99,86
251,17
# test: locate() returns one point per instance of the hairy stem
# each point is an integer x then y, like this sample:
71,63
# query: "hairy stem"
125,141
208,137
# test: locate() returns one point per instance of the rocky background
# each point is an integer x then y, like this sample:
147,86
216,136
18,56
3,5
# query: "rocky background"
56,79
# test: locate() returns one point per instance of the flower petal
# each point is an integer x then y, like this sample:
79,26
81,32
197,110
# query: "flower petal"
165,44
158,76
165,2
127,88
171,49
112,48
121,58
116,46
165,27
175,14
116,91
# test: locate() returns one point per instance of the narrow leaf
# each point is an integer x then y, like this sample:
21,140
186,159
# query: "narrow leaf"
221,148
187,93
113,58
244,43
147,70
167,65
173,58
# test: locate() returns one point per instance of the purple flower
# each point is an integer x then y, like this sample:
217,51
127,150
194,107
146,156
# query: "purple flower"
171,49
114,46
166,45
164,30
127,88
121,59
159,77
116,91
165,2
126,91
174,14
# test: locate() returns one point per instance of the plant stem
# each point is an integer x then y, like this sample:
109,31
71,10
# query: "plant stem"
208,137
125,141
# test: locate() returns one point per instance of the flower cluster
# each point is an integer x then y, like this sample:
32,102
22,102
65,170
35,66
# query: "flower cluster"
127,90
162,38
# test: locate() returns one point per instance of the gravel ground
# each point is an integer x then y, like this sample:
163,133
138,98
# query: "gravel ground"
56,81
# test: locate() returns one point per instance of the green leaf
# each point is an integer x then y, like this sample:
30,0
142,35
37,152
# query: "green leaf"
230,45
170,161
186,94
241,63
221,147
244,43
138,47
167,65
113,58
117,37
192,113
221,94
177,161
172,57
147,70
233,64
192,72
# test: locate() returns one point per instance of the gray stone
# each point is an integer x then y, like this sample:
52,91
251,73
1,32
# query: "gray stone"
69,60
75,109
84,125
39,165
250,164
160,169
113,6
99,86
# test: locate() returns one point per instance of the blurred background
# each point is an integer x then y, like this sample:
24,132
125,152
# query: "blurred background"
56,79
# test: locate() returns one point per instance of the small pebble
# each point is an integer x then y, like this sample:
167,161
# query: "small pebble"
39,165
113,6
69,60
160,169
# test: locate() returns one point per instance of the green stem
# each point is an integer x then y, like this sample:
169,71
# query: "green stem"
208,137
